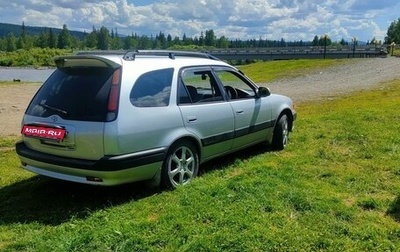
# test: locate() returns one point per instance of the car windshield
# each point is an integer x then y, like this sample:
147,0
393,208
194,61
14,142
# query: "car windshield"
79,93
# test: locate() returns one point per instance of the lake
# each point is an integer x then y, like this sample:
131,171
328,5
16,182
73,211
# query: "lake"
25,74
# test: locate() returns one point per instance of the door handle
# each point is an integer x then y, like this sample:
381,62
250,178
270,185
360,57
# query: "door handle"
239,111
190,119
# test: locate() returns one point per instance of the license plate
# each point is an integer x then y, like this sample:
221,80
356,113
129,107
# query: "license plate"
44,132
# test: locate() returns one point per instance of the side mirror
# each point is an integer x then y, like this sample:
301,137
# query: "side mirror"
263,92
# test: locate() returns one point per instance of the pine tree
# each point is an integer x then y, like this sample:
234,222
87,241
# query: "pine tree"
23,33
210,38
315,41
11,43
64,38
104,39
52,39
91,40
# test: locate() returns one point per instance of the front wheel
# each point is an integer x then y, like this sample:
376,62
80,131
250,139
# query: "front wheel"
180,166
281,133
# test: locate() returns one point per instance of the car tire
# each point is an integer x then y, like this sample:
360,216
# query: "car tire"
281,133
180,166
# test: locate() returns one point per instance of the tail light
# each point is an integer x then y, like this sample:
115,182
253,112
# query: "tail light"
113,97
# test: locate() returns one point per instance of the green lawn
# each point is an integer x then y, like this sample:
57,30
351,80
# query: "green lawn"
335,188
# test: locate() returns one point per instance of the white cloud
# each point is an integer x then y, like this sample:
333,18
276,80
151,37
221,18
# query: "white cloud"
243,19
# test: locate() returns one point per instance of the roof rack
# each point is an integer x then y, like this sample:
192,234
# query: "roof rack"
102,52
171,54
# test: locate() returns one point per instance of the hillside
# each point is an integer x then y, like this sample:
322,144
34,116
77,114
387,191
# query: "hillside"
6,29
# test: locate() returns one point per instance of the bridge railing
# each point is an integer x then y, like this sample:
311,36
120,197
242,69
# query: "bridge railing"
276,53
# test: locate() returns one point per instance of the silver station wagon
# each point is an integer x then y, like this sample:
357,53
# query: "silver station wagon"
108,118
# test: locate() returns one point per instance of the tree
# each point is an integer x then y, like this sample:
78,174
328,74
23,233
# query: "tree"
393,33
210,38
374,42
11,43
91,40
169,40
186,41
282,43
201,39
64,38
43,39
160,41
324,40
20,43
52,39
223,42
176,41
23,32
116,42
104,39
315,41
144,42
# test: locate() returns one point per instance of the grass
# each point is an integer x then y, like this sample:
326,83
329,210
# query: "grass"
335,188
262,72
396,52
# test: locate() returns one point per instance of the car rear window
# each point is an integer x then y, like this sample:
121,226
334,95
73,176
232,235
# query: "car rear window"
76,93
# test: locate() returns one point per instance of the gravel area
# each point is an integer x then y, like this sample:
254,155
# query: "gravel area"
356,74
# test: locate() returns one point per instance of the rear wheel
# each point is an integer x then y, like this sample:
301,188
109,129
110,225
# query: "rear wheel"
281,133
180,166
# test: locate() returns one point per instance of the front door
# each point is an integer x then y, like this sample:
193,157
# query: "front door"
252,113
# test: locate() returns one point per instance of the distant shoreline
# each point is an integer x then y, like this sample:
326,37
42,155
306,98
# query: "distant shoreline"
29,67
25,74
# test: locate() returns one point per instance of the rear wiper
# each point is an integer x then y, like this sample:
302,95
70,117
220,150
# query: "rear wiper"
53,108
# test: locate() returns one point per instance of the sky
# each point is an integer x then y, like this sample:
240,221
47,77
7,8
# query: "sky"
292,20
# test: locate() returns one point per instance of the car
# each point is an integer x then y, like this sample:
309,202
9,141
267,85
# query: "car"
109,118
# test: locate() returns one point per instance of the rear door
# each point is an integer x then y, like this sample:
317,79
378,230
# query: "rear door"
67,115
204,110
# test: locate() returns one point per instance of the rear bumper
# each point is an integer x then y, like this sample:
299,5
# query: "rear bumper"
107,163
109,170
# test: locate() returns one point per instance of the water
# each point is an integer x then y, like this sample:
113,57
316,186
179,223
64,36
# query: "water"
25,74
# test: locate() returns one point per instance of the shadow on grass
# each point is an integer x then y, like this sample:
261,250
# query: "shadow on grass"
394,209
230,159
52,202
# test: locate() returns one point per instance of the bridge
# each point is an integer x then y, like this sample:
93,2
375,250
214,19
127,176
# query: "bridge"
286,53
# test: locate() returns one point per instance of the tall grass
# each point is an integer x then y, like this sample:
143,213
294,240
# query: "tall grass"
335,188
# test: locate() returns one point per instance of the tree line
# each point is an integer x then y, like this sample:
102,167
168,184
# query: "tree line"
104,39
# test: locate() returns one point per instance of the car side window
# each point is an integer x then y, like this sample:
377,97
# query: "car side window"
235,86
152,89
198,86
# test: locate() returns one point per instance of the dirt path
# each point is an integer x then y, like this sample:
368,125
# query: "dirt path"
13,102
357,74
